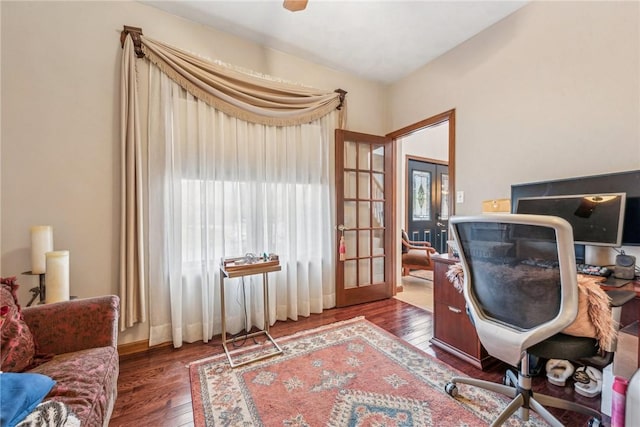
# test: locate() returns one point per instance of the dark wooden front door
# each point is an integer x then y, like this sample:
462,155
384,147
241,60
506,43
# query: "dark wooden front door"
428,202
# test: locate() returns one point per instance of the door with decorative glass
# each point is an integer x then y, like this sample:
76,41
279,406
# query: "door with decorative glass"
428,202
363,214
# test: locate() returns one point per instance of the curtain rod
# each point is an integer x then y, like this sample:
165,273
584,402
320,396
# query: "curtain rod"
135,32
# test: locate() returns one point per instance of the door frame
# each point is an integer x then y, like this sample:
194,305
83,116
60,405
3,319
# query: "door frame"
449,116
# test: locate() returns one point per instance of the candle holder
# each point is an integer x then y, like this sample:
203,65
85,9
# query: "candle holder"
40,291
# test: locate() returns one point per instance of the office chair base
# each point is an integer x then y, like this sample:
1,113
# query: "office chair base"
523,400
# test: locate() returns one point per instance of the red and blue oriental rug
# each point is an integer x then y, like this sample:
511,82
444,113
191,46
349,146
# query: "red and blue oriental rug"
350,373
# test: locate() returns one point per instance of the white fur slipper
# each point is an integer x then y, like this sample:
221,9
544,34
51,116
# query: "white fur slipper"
588,381
558,371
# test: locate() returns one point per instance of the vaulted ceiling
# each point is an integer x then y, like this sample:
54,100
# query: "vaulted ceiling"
382,40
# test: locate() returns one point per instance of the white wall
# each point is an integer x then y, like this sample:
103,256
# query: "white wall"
550,92
60,117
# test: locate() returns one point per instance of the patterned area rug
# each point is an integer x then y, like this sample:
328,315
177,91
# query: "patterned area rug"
350,373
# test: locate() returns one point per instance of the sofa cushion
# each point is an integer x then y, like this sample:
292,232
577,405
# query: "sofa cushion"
17,348
86,382
20,393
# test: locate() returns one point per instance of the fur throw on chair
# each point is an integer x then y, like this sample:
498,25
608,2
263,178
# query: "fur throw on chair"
594,317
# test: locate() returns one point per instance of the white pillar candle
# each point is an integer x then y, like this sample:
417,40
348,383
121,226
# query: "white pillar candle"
57,278
41,243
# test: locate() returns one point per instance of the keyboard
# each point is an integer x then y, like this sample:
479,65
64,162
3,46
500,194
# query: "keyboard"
593,270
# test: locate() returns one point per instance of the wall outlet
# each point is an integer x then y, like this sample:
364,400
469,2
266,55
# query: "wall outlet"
459,196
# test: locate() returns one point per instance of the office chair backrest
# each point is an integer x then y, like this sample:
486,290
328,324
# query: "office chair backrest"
520,279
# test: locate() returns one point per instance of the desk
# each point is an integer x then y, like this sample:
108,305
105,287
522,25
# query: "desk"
453,331
452,328
250,269
631,310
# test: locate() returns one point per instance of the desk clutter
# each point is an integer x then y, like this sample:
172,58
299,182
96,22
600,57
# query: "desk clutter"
249,262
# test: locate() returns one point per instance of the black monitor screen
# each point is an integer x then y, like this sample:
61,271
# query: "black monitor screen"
597,219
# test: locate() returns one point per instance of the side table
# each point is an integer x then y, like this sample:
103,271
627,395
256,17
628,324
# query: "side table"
229,270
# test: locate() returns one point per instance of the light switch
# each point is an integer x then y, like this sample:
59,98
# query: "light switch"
459,196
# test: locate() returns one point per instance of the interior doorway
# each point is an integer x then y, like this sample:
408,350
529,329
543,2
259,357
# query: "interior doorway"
429,141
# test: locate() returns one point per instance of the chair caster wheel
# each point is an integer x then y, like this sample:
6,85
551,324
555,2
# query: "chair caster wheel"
594,422
451,389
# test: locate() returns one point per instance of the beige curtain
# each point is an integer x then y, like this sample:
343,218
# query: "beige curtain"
132,284
246,96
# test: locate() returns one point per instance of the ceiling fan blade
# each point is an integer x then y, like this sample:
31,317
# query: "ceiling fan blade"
295,5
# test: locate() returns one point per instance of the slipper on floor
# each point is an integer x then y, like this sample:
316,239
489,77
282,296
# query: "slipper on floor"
588,381
558,371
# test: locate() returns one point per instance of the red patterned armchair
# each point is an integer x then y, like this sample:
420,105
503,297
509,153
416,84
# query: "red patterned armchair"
77,340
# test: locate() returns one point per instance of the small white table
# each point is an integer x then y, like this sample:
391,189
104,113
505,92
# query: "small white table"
226,271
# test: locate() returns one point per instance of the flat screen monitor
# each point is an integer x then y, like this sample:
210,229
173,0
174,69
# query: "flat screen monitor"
597,219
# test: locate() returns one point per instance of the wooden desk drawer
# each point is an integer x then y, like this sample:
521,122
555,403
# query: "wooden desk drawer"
452,325
443,289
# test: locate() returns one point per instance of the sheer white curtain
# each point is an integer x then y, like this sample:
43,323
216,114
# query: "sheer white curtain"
220,186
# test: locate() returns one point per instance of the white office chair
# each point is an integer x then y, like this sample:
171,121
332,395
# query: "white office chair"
521,291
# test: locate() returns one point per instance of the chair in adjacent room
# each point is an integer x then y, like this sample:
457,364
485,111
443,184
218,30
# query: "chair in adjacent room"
521,291
416,255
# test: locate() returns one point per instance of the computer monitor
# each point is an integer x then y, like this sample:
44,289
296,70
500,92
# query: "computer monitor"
596,219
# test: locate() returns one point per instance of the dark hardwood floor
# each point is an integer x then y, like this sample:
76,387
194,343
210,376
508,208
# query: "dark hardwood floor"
154,387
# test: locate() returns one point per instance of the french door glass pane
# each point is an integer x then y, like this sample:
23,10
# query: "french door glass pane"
378,270
350,154
350,218
378,214
349,185
378,158
364,214
350,275
378,242
364,161
364,272
351,243
378,186
364,185
364,247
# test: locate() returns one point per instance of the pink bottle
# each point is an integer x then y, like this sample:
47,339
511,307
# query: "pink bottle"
618,398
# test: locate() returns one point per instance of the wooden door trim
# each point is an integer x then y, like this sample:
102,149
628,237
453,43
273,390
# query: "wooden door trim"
449,116
424,159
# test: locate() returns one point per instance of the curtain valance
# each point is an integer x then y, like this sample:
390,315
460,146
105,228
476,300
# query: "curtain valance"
243,95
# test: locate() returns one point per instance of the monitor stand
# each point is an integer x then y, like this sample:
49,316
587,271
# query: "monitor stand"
614,283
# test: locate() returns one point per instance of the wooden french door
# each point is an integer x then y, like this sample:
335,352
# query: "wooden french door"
364,188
